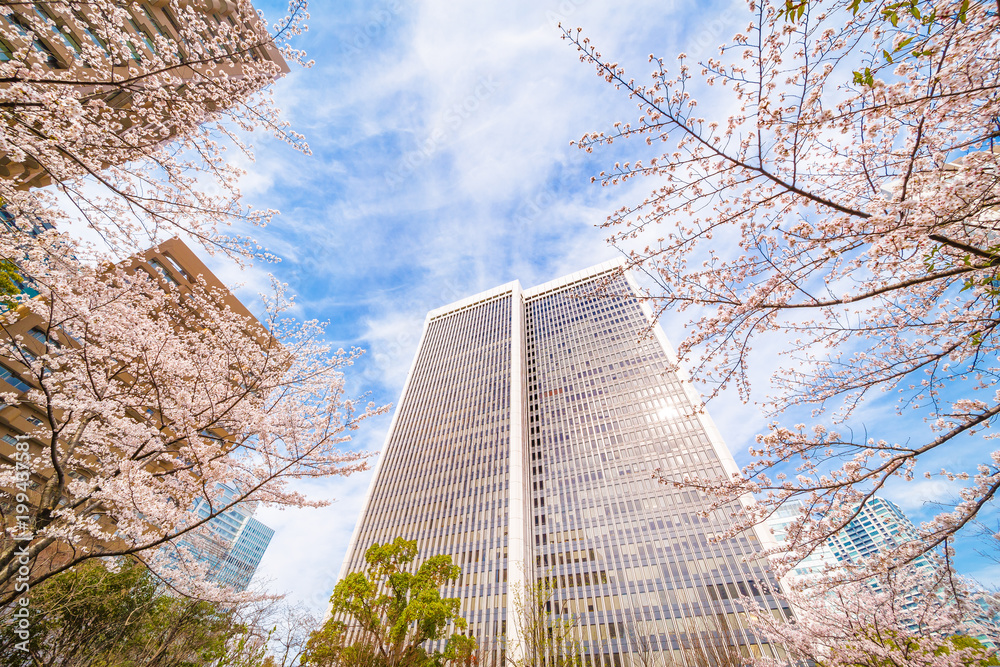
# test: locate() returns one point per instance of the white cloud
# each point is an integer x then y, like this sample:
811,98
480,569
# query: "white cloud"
393,337
923,497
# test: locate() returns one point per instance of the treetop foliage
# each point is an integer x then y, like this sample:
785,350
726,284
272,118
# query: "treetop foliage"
382,615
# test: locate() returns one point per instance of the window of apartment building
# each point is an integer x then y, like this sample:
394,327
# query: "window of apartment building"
13,379
60,29
23,27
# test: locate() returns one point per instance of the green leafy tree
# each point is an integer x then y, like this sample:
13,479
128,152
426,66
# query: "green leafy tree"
10,282
382,616
461,650
87,609
973,648
325,646
117,614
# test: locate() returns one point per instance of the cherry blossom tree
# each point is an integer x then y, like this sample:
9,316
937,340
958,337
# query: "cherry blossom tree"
130,113
883,623
133,118
848,205
140,397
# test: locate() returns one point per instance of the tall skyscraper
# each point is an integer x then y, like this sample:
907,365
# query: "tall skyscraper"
524,445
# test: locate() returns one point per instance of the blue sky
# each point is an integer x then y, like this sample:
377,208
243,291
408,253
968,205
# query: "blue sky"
442,167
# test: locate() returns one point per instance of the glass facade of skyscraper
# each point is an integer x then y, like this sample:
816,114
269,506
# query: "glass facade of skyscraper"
880,526
524,445
235,543
444,479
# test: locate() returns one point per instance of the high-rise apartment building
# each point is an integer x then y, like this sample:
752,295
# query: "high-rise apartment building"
821,560
880,526
236,544
68,40
524,446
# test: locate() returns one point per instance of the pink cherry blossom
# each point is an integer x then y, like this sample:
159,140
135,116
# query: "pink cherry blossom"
849,205
137,114
147,396
904,618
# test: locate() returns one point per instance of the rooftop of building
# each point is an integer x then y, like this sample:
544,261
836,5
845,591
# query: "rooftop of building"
605,269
